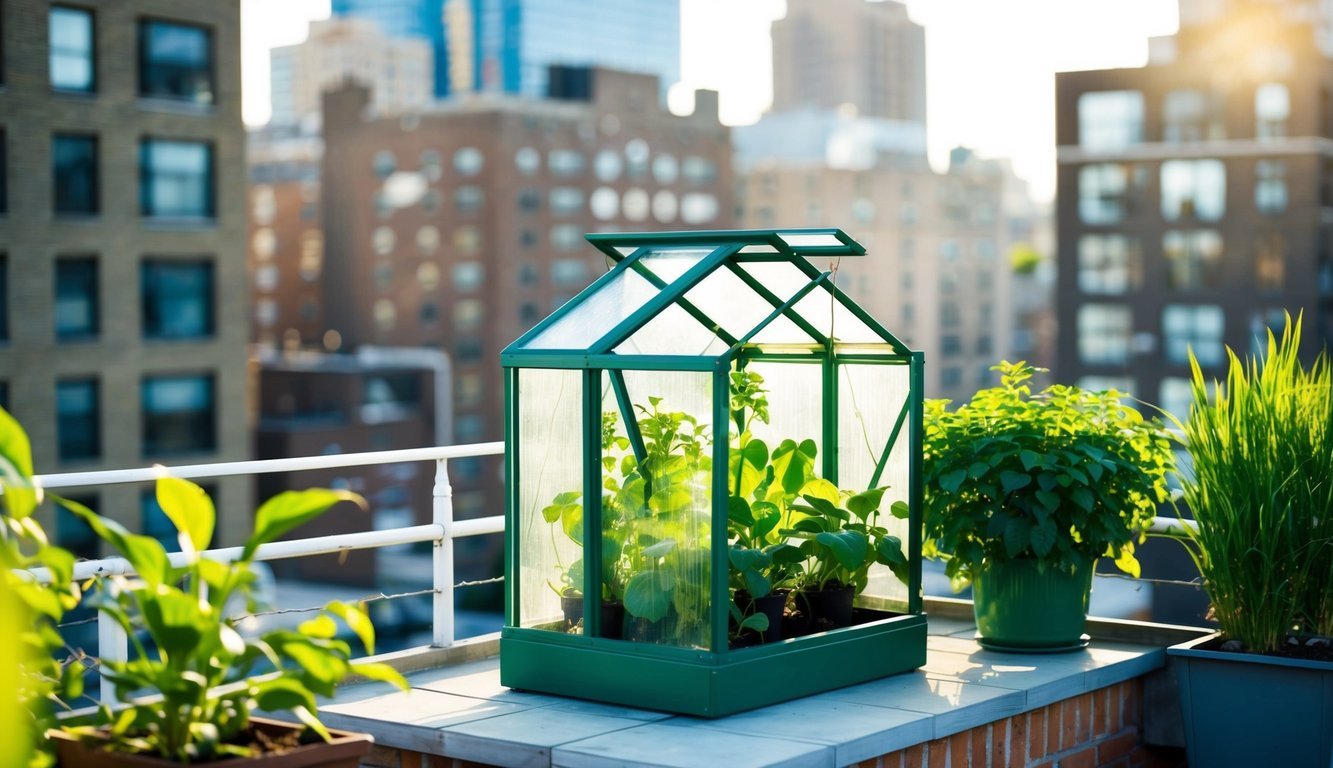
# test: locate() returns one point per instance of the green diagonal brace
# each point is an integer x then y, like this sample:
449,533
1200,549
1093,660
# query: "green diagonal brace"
686,305
893,438
773,299
631,428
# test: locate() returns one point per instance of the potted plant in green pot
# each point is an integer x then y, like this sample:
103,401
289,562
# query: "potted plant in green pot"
1024,492
1260,691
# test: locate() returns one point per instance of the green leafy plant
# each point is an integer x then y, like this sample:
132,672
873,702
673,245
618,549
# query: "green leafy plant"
1261,492
841,535
190,689
47,676
1062,477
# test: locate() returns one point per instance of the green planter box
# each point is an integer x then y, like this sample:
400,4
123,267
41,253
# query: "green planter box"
710,420
1245,709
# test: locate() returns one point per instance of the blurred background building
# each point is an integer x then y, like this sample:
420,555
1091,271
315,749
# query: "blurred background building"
123,294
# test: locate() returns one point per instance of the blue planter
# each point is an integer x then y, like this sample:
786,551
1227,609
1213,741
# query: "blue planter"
1246,709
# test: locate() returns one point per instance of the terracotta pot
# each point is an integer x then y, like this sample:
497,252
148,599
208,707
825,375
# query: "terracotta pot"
345,751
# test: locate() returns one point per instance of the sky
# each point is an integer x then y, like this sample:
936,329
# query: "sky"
990,63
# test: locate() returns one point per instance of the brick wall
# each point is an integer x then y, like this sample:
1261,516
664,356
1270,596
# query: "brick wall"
388,757
1101,729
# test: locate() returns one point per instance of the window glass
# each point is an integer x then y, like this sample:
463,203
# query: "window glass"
698,170
1270,186
76,315
635,204
698,208
177,299
1193,259
176,179
566,237
1270,261
74,174
78,419
72,533
468,275
528,161
565,162
565,201
1272,107
384,163
469,199
1110,119
1108,264
607,165
605,203
72,49
176,61
468,161
1194,188
178,414
1190,115
1104,333
1106,192
1174,395
665,169
1197,328
468,315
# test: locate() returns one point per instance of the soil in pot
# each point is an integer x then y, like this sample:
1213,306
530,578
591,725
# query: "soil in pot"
1303,647
282,745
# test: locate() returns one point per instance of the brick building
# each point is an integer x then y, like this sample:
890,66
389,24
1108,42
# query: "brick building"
122,277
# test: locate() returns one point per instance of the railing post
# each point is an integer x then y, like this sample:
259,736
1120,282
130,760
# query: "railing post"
442,514
112,643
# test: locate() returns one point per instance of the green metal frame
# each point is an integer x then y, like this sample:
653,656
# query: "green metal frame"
588,665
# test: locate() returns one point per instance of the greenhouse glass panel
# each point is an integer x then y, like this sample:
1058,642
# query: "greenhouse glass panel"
811,240
657,504
729,302
596,313
794,392
819,307
669,264
672,332
550,491
872,401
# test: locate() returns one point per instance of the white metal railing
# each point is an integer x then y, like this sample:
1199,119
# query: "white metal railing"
114,644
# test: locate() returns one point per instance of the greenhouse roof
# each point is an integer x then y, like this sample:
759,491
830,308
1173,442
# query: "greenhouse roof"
708,296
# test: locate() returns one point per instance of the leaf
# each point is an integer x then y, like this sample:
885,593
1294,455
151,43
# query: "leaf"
357,621
1031,459
285,694
738,511
978,469
1016,535
188,508
1083,498
648,594
1012,481
374,670
849,547
866,502
173,619
1043,538
289,509
755,453
1128,563
144,553
321,626
824,508
767,517
660,549
1050,501
792,465
819,488
20,498
900,510
950,482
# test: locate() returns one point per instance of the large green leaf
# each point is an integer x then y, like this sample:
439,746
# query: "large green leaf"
20,497
144,553
950,482
1013,481
288,695
1016,535
374,670
866,502
793,464
648,594
188,508
289,509
1043,537
357,621
849,547
173,619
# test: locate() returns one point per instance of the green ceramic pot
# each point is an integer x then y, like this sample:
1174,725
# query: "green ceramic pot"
1020,609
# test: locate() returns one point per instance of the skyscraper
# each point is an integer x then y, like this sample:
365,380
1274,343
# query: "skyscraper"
1194,200
507,45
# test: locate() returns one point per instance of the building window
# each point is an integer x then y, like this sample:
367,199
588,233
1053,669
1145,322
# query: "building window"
1262,323
1107,191
565,201
469,199
528,275
176,179
1108,264
1194,188
950,315
529,200
1174,395
698,170
1103,334
78,419
1270,186
76,305
1190,115
1110,119
73,534
74,171
1193,259
4,298
468,161
468,276
528,314
73,49
175,61
469,350
1196,328
951,376
468,315
1272,107
468,390
950,346
178,415
566,237
1270,260
569,272
177,299
565,162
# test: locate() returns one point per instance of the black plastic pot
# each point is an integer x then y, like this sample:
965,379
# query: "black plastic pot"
770,605
613,615
831,605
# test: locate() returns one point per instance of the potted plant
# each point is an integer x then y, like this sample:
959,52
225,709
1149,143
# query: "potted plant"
1023,493
1260,691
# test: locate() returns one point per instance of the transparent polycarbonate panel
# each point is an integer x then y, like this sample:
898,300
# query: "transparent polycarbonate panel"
657,515
626,250
550,494
759,249
795,405
870,397
672,332
818,307
796,240
670,263
596,313
732,304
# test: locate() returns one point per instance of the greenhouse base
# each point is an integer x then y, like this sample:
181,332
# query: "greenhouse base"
707,684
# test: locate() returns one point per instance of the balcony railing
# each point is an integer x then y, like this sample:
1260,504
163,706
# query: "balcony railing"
441,532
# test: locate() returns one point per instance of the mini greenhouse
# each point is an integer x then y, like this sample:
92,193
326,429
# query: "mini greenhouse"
713,480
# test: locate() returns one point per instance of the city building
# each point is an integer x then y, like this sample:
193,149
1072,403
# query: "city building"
507,45
122,288
458,227
399,71
936,267
1194,200
830,53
